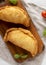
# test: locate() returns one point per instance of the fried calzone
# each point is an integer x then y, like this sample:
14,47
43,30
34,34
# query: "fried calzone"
22,38
14,14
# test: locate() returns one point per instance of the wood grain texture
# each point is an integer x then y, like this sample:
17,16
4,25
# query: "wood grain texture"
14,49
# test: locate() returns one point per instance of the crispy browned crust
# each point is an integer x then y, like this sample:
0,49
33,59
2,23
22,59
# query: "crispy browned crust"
6,14
31,45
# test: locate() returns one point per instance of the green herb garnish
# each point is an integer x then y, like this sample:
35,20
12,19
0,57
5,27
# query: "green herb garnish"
44,32
14,2
17,56
22,56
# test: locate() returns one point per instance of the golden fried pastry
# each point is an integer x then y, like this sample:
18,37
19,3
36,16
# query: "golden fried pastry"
14,14
22,38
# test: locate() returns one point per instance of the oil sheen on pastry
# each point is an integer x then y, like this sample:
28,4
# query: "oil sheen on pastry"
22,38
14,14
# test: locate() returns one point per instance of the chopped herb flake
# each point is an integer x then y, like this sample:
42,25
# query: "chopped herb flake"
23,56
14,2
17,56
44,32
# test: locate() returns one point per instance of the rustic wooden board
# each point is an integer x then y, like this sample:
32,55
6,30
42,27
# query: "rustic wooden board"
14,49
